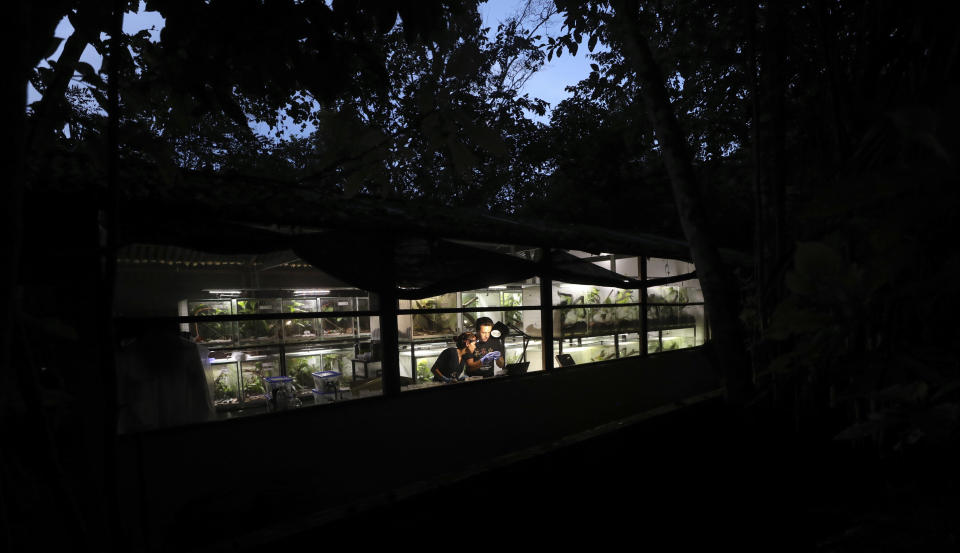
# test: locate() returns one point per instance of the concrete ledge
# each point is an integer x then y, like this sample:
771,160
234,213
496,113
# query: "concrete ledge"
188,488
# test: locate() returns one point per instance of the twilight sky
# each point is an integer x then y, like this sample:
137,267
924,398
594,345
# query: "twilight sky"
547,84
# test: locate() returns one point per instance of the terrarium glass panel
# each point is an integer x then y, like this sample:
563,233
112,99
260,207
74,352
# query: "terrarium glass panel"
515,353
610,313
660,267
690,291
514,347
258,331
301,363
254,366
225,378
531,321
477,300
534,356
674,294
570,294
627,317
300,330
337,327
570,321
627,266
442,301
670,316
510,298
407,360
680,338
338,360
592,350
630,345
213,334
694,315
363,322
425,355
435,324
653,342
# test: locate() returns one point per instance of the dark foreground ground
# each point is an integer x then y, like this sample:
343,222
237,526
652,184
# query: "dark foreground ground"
698,479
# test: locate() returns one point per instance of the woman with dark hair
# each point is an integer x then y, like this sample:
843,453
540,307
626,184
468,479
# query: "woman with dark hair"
449,366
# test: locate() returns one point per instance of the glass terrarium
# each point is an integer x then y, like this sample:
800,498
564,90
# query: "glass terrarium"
225,381
630,345
300,365
302,362
628,316
511,298
363,322
690,291
530,320
407,360
608,313
300,330
515,353
673,294
435,324
534,355
338,360
694,316
212,334
495,296
570,321
600,349
592,350
663,317
337,327
601,320
424,355
660,267
254,366
514,348
258,331
653,342
679,338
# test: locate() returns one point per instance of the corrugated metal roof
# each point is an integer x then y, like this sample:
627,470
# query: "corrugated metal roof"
154,254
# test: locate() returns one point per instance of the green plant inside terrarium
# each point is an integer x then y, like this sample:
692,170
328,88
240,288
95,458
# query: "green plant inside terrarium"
601,318
335,325
423,371
258,329
253,382
512,299
224,387
301,372
604,354
574,320
220,331
333,362
300,306
433,323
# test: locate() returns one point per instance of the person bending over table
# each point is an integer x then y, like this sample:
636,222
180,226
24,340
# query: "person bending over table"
490,352
449,366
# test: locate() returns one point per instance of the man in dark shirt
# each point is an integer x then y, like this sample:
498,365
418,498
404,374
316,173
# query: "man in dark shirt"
490,354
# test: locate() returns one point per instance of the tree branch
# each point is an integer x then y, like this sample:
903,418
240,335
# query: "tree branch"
45,119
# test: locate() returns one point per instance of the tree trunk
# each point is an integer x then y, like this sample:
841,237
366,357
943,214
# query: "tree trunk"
767,135
720,290
45,118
